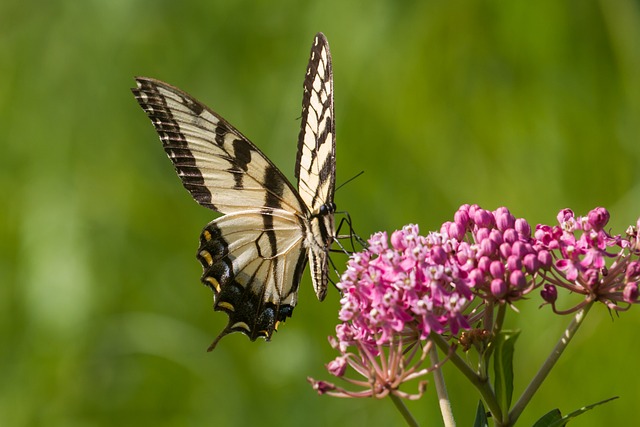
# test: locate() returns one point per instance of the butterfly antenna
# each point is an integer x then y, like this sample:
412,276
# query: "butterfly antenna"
349,180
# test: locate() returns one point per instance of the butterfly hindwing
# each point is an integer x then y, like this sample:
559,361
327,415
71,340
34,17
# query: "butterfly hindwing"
253,261
254,255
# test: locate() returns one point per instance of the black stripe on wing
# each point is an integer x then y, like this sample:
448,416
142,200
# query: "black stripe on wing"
218,165
174,142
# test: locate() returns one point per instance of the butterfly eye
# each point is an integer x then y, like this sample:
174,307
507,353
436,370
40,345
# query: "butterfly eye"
327,208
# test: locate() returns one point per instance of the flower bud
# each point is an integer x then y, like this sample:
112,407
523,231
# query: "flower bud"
510,236
398,240
338,366
549,293
545,259
514,263
487,247
630,292
321,387
484,263
481,234
471,210
504,219
519,249
496,236
496,269
483,218
464,253
531,263
456,231
522,227
461,217
505,250
598,218
498,288
517,279
632,271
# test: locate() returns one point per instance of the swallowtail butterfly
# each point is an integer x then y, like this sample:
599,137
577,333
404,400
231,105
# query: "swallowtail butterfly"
254,255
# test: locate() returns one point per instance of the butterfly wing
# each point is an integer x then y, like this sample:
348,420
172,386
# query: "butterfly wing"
219,166
316,161
252,257
253,260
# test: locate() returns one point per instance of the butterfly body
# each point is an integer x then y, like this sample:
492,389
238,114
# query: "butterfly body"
253,256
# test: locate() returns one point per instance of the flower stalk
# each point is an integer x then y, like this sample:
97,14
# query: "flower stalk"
548,364
404,411
441,390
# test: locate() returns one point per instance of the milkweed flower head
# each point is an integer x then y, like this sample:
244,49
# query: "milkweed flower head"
590,262
401,289
409,288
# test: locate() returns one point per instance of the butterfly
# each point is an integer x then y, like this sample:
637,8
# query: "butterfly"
254,255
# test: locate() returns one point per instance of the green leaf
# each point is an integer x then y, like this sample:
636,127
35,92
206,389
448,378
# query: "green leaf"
481,416
555,419
503,367
549,419
584,409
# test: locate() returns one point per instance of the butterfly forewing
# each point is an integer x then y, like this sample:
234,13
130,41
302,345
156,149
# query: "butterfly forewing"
219,166
254,255
316,162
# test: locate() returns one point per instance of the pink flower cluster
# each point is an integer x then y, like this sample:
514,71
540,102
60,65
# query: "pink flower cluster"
496,251
397,294
410,288
581,248
426,283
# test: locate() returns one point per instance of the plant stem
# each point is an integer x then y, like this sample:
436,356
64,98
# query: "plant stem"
441,390
546,367
483,386
403,410
495,329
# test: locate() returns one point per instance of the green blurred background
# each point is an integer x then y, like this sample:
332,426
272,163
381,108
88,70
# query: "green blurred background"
103,321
